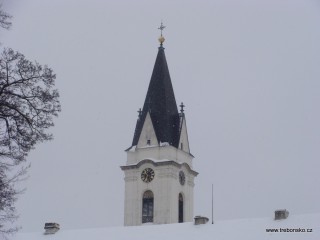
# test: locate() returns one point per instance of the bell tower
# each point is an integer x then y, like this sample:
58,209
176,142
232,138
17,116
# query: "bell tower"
159,177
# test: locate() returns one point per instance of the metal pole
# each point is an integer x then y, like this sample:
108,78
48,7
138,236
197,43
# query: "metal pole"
212,203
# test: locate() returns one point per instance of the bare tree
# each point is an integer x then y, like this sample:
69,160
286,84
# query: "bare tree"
28,104
5,19
8,196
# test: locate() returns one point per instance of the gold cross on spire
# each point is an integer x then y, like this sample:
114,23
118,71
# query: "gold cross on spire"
161,38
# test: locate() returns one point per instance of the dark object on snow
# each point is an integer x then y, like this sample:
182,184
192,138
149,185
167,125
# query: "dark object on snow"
281,214
200,220
51,228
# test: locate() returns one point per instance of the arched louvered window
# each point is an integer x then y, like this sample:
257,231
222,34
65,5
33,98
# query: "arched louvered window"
147,207
180,208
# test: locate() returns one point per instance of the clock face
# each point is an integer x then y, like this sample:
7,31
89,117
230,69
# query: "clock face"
147,175
182,178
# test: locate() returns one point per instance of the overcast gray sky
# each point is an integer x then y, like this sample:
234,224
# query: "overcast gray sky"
248,72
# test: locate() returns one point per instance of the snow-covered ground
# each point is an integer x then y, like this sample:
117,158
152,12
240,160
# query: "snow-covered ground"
247,229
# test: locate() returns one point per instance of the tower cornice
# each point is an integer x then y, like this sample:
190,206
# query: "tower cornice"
160,163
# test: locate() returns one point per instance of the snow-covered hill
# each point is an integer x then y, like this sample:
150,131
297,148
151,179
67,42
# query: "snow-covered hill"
295,227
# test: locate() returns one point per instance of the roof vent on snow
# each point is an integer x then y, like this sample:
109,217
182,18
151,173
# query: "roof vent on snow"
51,228
281,214
200,220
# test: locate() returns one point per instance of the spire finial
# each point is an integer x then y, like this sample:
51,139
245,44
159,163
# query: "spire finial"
181,107
140,112
161,38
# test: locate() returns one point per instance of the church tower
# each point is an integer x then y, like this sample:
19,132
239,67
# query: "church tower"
159,177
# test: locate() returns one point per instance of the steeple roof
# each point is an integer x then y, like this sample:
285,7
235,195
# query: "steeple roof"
161,105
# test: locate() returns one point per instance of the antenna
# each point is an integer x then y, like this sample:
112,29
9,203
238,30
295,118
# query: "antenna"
212,203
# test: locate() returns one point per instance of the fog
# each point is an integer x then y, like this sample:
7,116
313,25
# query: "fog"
247,71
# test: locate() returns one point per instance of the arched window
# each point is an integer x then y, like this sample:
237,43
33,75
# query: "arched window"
147,207
180,208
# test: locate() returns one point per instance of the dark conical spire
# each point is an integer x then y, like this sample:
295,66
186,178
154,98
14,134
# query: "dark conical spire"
161,104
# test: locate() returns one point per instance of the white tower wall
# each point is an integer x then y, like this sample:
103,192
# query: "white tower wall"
165,187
